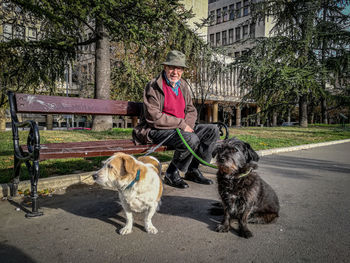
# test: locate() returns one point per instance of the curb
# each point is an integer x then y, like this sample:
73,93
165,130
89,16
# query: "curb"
299,147
61,182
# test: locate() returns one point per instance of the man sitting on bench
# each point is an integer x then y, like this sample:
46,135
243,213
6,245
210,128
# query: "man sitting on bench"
168,105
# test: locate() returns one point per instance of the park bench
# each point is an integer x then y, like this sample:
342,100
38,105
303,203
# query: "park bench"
34,152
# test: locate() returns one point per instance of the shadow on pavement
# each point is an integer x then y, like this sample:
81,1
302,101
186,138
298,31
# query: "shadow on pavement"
10,253
103,204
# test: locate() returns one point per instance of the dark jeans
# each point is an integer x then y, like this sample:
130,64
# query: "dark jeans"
202,141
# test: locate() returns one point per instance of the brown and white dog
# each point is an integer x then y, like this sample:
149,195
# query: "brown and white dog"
138,184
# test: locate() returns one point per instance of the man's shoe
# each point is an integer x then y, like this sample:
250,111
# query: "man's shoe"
175,180
197,177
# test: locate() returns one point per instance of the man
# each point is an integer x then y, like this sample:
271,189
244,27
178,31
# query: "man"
167,106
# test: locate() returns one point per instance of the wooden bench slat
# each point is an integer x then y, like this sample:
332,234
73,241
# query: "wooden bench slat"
28,103
85,148
95,152
84,144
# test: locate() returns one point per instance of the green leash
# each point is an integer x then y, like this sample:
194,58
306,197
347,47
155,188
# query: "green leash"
193,153
200,159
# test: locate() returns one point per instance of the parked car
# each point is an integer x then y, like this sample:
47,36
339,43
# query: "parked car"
292,123
79,128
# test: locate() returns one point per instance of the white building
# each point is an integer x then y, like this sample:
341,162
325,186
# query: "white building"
231,26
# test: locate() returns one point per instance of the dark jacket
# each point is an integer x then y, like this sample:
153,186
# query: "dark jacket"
153,116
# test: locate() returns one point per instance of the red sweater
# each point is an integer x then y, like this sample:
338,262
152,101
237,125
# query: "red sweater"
173,105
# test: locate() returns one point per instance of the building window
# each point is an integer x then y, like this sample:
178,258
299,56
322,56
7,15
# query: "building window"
230,36
218,39
238,33
224,38
19,32
32,33
212,17
238,9
232,12
212,1
218,16
7,31
245,31
252,30
246,8
225,14
236,54
211,40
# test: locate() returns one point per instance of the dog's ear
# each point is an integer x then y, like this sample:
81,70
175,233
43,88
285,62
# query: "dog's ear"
129,164
217,148
252,155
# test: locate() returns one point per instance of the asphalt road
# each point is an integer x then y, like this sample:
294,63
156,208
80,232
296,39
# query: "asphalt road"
81,223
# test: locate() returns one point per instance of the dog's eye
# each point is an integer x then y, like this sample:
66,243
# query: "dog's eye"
109,166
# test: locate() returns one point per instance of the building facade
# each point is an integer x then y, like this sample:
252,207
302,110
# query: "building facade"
231,26
232,30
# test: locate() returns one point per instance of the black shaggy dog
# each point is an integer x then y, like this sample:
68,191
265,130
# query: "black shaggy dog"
245,196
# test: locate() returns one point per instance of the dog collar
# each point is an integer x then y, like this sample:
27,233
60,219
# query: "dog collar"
137,178
245,174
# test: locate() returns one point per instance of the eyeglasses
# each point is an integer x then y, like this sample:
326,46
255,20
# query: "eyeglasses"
173,68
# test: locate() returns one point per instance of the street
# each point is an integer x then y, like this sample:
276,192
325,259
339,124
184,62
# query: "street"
81,223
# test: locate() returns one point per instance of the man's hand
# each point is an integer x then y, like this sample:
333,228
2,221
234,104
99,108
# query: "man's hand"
188,129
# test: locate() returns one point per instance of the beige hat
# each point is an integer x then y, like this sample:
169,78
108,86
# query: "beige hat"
175,58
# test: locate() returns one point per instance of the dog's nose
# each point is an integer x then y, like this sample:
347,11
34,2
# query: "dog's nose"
95,175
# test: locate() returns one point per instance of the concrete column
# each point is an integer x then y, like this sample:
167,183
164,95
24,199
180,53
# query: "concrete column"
215,111
230,121
134,121
238,116
125,122
209,115
49,121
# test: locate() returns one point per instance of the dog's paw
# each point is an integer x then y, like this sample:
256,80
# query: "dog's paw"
151,230
245,233
125,230
222,228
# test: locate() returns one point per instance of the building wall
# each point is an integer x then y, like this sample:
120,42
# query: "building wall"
200,10
232,18
14,25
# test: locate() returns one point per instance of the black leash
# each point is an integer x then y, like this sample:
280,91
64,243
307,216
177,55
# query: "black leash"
151,150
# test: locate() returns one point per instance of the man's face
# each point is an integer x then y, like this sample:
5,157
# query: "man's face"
173,73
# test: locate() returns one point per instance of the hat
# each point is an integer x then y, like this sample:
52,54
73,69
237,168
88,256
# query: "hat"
175,58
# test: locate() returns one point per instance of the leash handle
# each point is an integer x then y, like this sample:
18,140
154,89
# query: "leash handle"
193,153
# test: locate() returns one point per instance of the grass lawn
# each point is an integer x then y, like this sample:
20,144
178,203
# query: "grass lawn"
259,138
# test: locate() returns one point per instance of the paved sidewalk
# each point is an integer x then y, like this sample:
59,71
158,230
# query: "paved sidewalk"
80,223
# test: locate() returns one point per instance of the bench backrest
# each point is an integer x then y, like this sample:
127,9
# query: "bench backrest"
28,103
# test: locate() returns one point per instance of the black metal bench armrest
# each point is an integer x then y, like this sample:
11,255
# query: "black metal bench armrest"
223,129
33,141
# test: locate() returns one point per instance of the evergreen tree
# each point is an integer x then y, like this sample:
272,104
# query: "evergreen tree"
290,66
148,25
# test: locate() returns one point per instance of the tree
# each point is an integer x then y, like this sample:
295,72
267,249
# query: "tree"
147,24
332,47
286,68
